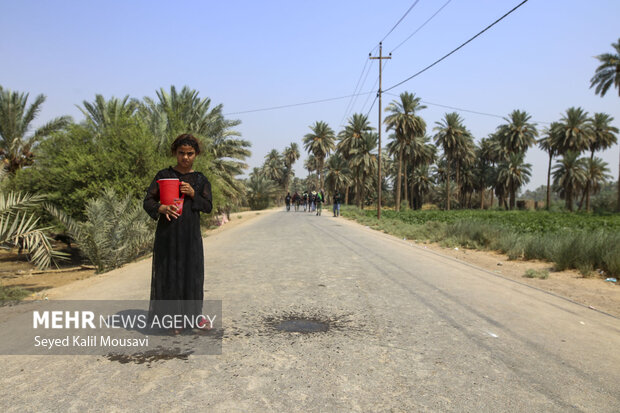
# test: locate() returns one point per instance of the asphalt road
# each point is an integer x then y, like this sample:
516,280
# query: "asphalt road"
409,330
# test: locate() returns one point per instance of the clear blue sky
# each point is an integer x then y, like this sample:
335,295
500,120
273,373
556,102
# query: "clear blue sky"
255,54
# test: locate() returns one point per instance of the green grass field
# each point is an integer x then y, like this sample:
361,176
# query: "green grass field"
586,242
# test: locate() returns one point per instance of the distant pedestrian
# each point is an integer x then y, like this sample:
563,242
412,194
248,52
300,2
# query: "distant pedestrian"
319,202
304,199
296,199
336,207
287,200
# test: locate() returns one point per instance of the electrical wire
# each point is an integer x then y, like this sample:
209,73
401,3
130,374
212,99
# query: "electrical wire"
423,24
400,20
351,101
458,48
295,104
426,102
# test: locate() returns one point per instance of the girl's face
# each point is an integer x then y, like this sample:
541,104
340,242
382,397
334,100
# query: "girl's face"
186,156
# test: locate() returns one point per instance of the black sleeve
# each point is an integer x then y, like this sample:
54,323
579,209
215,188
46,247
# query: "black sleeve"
202,198
151,202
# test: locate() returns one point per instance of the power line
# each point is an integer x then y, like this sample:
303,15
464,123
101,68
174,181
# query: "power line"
400,20
423,24
372,105
354,99
373,87
455,50
464,110
346,111
296,104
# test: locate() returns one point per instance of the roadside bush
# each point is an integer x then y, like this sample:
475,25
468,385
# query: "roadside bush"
116,231
585,242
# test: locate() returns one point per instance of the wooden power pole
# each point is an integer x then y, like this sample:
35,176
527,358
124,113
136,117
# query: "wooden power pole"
380,58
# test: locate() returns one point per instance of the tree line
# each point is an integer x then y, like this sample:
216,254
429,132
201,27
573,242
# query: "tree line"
80,172
445,166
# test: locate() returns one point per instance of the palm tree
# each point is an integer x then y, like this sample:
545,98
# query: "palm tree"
596,174
451,136
273,168
290,155
407,125
338,173
569,175
546,144
352,134
516,136
603,137
15,123
311,164
102,114
606,75
574,131
350,138
514,173
421,184
260,190
228,162
320,142
483,168
177,112
421,153
20,223
365,162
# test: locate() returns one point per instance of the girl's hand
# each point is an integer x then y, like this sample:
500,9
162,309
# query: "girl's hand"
187,189
169,211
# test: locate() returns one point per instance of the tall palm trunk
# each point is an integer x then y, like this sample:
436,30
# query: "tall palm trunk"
405,197
448,185
618,201
362,192
400,164
586,190
458,182
512,194
346,195
549,182
482,199
358,188
569,199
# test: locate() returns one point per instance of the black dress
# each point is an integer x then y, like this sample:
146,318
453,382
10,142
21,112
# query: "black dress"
178,260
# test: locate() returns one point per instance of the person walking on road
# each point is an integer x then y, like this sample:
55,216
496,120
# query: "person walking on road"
319,202
305,200
336,207
295,200
287,200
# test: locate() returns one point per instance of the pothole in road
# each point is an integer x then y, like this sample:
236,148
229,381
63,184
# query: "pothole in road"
302,326
305,322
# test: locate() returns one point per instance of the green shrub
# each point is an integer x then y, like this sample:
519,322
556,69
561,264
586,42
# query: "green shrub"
116,231
8,293
542,274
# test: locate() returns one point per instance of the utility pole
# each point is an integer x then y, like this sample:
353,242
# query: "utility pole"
380,58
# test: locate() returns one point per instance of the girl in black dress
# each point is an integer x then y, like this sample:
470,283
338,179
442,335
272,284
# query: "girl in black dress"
178,261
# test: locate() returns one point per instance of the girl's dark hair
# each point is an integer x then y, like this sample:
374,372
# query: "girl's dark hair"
185,139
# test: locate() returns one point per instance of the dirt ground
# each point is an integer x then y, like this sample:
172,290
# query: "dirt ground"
592,292
16,271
